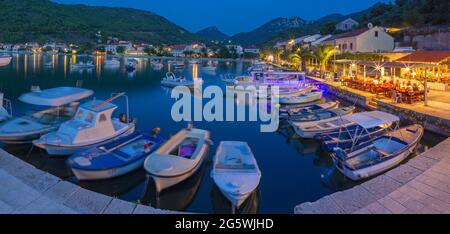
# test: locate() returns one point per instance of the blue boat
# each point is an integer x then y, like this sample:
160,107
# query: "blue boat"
116,158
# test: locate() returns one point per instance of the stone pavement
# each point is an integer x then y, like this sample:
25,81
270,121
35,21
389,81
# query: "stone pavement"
25,189
422,185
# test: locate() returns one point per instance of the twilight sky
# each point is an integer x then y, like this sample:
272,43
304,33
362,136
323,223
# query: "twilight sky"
233,16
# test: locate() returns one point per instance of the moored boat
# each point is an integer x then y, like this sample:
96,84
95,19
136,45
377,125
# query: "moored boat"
380,154
91,126
5,108
301,98
63,102
287,110
369,119
5,60
320,115
172,81
179,158
112,63
235,171
82,65
115,158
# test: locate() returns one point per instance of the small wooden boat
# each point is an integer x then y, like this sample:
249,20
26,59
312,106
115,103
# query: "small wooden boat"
380,154
5,60
172,81
91,126
115,158
112,63
235,171
179,158
64,103
302,98
321,115
156,64
289,111
369,119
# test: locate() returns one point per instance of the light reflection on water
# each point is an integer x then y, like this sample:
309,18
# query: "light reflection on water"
291,167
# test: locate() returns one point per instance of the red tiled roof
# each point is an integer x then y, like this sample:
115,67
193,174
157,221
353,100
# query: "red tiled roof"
426,56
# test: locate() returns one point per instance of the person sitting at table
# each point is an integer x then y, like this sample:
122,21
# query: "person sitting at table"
409,87
415,87
403,85
421,87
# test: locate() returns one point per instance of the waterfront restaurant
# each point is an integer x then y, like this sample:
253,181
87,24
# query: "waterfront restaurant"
406,77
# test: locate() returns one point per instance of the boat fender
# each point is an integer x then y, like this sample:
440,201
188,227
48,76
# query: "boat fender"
156,131
123,118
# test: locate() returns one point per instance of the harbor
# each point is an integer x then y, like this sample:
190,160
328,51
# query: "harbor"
135,189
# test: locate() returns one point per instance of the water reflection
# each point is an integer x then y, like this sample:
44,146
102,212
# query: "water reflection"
177,197
221,205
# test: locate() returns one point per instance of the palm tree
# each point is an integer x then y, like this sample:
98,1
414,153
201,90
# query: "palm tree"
323,53
301,53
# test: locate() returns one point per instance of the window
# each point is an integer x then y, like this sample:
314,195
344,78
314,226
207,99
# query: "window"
351,46
102,118
89,117
79,114
376,33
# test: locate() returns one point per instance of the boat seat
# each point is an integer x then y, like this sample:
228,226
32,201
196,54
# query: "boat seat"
379,151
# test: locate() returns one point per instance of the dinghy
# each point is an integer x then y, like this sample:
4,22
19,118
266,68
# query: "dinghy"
112,63
235,171
302,98
179,158
321,115
64,103
290,111
91,126
172,81
369,119
116,158
83,65
5,60
379,155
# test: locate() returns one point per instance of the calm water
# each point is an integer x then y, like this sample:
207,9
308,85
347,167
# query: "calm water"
292,168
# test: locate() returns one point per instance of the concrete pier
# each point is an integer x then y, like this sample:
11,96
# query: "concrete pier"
27,190
422,185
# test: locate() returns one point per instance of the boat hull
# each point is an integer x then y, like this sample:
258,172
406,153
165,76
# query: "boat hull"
108,173
58,150
162,183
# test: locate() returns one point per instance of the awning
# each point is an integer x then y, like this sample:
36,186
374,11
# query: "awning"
56,96
372,119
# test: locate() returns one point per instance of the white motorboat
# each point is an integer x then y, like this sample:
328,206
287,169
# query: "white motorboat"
369,119
83,65
64,103
111,63
380,154
5,60
156,64
235,171
5,108
179,158
288,110
92,125
301,98
172,81
194,61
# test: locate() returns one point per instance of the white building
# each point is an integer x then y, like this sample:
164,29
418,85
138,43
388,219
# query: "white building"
365,40
252,50
239,50
347,24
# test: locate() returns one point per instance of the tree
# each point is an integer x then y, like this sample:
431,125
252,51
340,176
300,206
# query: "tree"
224,52
120,49
323,53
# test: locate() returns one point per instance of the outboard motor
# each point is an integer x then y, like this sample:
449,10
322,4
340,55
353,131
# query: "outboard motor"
123,118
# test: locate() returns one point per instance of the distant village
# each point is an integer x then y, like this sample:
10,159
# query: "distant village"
351,38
